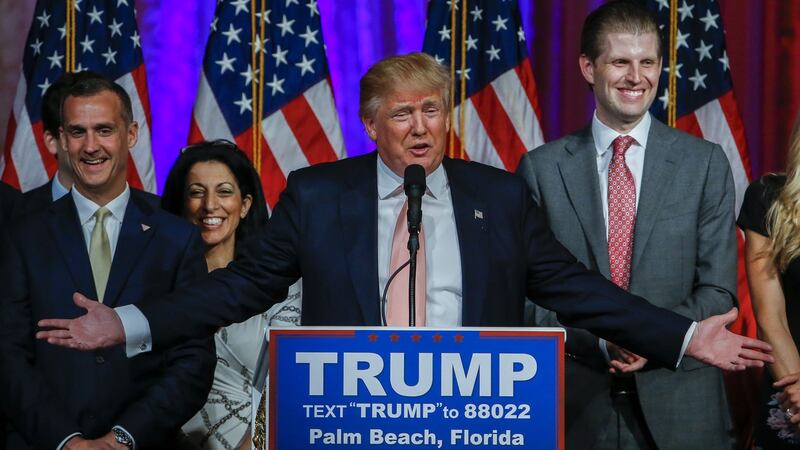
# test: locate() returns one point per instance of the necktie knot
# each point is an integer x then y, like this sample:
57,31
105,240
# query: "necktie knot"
621,145
100,215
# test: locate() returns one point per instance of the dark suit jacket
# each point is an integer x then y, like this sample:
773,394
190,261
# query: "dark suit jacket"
50,392
8,201
35,200
324,229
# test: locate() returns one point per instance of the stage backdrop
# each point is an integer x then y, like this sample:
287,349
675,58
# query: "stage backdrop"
763,45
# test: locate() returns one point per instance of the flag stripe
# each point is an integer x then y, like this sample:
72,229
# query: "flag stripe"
308,131
207,114
498,126
289,155
511,96
479,146
140,153
320,99
26,155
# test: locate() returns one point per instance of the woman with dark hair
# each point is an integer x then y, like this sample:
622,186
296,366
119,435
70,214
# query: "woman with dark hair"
214,186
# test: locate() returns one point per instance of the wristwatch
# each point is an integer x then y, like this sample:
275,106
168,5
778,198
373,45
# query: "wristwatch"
123,437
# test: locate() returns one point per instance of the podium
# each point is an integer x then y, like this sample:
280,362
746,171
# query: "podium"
390,388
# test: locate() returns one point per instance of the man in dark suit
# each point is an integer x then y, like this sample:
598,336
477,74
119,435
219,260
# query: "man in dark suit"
8,202
677,237
486,248
61,182
112,243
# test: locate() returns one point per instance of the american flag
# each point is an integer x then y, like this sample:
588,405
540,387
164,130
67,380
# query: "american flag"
705,106
106,41
500,108
298,123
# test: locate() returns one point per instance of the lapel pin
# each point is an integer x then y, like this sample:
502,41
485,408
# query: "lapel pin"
478,214
145,227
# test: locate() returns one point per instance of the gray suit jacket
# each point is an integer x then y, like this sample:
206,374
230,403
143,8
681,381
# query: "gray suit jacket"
684,259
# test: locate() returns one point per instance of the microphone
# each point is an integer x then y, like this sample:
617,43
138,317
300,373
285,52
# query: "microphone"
414,185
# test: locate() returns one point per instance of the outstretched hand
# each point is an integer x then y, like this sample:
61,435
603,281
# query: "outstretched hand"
714,345
100,327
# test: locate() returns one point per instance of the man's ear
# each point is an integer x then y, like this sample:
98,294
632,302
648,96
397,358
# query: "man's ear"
369,126
133,134
51,142
587,68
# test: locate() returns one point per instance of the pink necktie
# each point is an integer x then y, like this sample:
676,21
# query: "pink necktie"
397,313
621,213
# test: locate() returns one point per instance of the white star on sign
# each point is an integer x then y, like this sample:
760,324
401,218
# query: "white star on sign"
306,65
677,70
477,14
665,98
55,59
312,8
310,36
232,34
472,43
280,56
499,23
249,75
710,20
444,33
110,56
86,45
116,28
244,104
225,63
95,15
466,72
494,53
276,84
697,79
286,26
703,51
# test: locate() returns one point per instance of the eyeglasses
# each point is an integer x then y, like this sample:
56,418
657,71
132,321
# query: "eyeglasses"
218,143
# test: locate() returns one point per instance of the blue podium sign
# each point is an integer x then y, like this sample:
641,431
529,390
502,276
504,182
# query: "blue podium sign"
390,388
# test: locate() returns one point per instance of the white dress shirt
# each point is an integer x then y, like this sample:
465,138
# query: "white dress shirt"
442,253
57,190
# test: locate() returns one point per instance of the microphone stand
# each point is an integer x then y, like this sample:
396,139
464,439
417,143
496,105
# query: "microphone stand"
413,246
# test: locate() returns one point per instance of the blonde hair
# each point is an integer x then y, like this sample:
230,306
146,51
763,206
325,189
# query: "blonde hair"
783,217
414,70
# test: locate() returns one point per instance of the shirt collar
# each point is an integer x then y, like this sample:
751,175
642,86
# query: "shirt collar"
57,189
86,208
604,135
391,184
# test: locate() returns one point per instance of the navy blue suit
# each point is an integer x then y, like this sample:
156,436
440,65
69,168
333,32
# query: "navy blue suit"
50,392
324,229
9,197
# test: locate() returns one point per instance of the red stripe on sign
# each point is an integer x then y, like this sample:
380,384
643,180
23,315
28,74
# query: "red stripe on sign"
525,74
50,162
9,174
498,127
308,131
689,124
140,80
728,104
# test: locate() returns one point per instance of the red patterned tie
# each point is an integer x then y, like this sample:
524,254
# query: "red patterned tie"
621,213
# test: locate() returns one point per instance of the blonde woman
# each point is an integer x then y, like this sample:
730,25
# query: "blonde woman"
770,218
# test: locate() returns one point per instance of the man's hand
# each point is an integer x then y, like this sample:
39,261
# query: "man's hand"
623,361
713,344
109,440
100,327
79,443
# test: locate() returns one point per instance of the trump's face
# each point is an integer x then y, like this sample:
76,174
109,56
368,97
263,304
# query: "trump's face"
624,78
410,127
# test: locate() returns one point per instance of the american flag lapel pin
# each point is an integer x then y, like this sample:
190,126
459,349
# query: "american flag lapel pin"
145,227
478,214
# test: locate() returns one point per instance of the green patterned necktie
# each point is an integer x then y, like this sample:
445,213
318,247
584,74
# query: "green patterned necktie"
100,252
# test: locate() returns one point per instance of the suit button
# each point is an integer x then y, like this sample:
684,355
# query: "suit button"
100,359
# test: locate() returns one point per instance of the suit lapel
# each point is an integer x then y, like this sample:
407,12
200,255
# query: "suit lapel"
660,160
471,215
134,236
358,213
579,173
66,229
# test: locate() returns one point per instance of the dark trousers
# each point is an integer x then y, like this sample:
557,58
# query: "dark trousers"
627,429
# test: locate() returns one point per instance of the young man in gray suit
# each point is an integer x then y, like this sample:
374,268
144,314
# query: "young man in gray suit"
652,209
